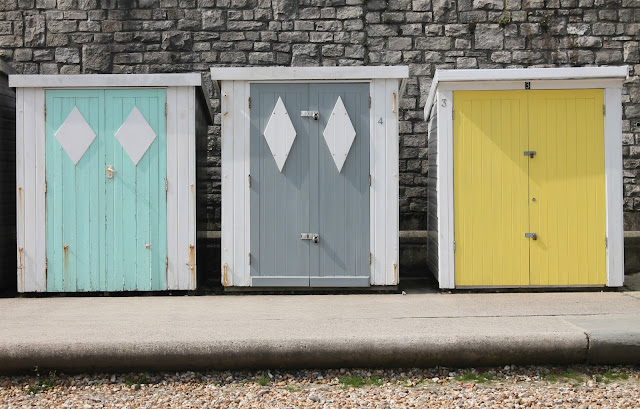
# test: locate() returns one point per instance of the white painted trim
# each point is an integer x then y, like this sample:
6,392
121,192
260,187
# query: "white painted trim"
105,80
20,209
307,73
172,193
444,187
227,269
181,202
613,186
620,74
236,228
384,191
535,85
30,197
191,182
534,74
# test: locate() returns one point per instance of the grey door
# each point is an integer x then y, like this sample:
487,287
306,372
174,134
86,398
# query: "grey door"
319,187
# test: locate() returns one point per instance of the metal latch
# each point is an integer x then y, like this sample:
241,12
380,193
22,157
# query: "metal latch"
312,114
530,154
310,236
531,235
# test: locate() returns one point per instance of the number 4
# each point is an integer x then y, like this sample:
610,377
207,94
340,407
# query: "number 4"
380,120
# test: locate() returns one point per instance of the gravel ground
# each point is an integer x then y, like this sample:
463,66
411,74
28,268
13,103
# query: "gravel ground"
508,387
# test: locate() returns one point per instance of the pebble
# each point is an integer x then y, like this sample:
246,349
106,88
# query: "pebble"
505,387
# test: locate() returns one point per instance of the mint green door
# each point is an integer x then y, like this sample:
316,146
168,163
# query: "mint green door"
106,199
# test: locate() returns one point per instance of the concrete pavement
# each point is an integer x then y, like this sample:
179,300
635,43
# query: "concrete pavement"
422,328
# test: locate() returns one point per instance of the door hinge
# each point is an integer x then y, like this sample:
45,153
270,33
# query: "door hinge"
454,246
166,109
370,258
369,180
453,114
606,242
249,180
166,264
45,111
249,102
166,186
369,101
604,109
45,187
249,258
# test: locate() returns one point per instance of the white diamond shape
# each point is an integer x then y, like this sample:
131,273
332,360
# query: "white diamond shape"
339,134
75,135
280,133
135,135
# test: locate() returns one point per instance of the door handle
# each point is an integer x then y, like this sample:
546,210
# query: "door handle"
310,236
533,236
110,172
530,154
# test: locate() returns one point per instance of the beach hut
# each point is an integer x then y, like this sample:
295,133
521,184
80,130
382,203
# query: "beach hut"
309,176
525,177
106,181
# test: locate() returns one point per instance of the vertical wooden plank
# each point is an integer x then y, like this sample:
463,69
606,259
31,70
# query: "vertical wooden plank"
227,205
379,161
392,266
445,190
29,190
159,220
172,192
54,195
81,254
191,221
99,228
582,191
142,193
245,207
20,208
597,152
112,253
240,177
182,187
614,194
40,207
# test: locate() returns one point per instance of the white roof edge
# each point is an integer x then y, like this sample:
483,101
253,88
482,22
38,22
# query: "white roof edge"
308,73
105,80
533,74
523,74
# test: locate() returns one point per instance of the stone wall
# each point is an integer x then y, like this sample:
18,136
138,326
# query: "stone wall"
143,36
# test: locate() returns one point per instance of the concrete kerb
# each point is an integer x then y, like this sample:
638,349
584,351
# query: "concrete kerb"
457,351
614,347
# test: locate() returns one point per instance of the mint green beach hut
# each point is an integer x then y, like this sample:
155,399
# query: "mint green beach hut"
105,171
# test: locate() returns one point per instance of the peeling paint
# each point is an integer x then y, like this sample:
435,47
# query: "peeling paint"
192,263
66,262
395,273
225,279
20,267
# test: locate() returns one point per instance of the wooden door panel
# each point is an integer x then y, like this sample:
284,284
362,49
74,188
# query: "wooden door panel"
75,191
490,188
568,184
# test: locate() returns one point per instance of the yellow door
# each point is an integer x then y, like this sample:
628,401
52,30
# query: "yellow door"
500,193
490,188
566,129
